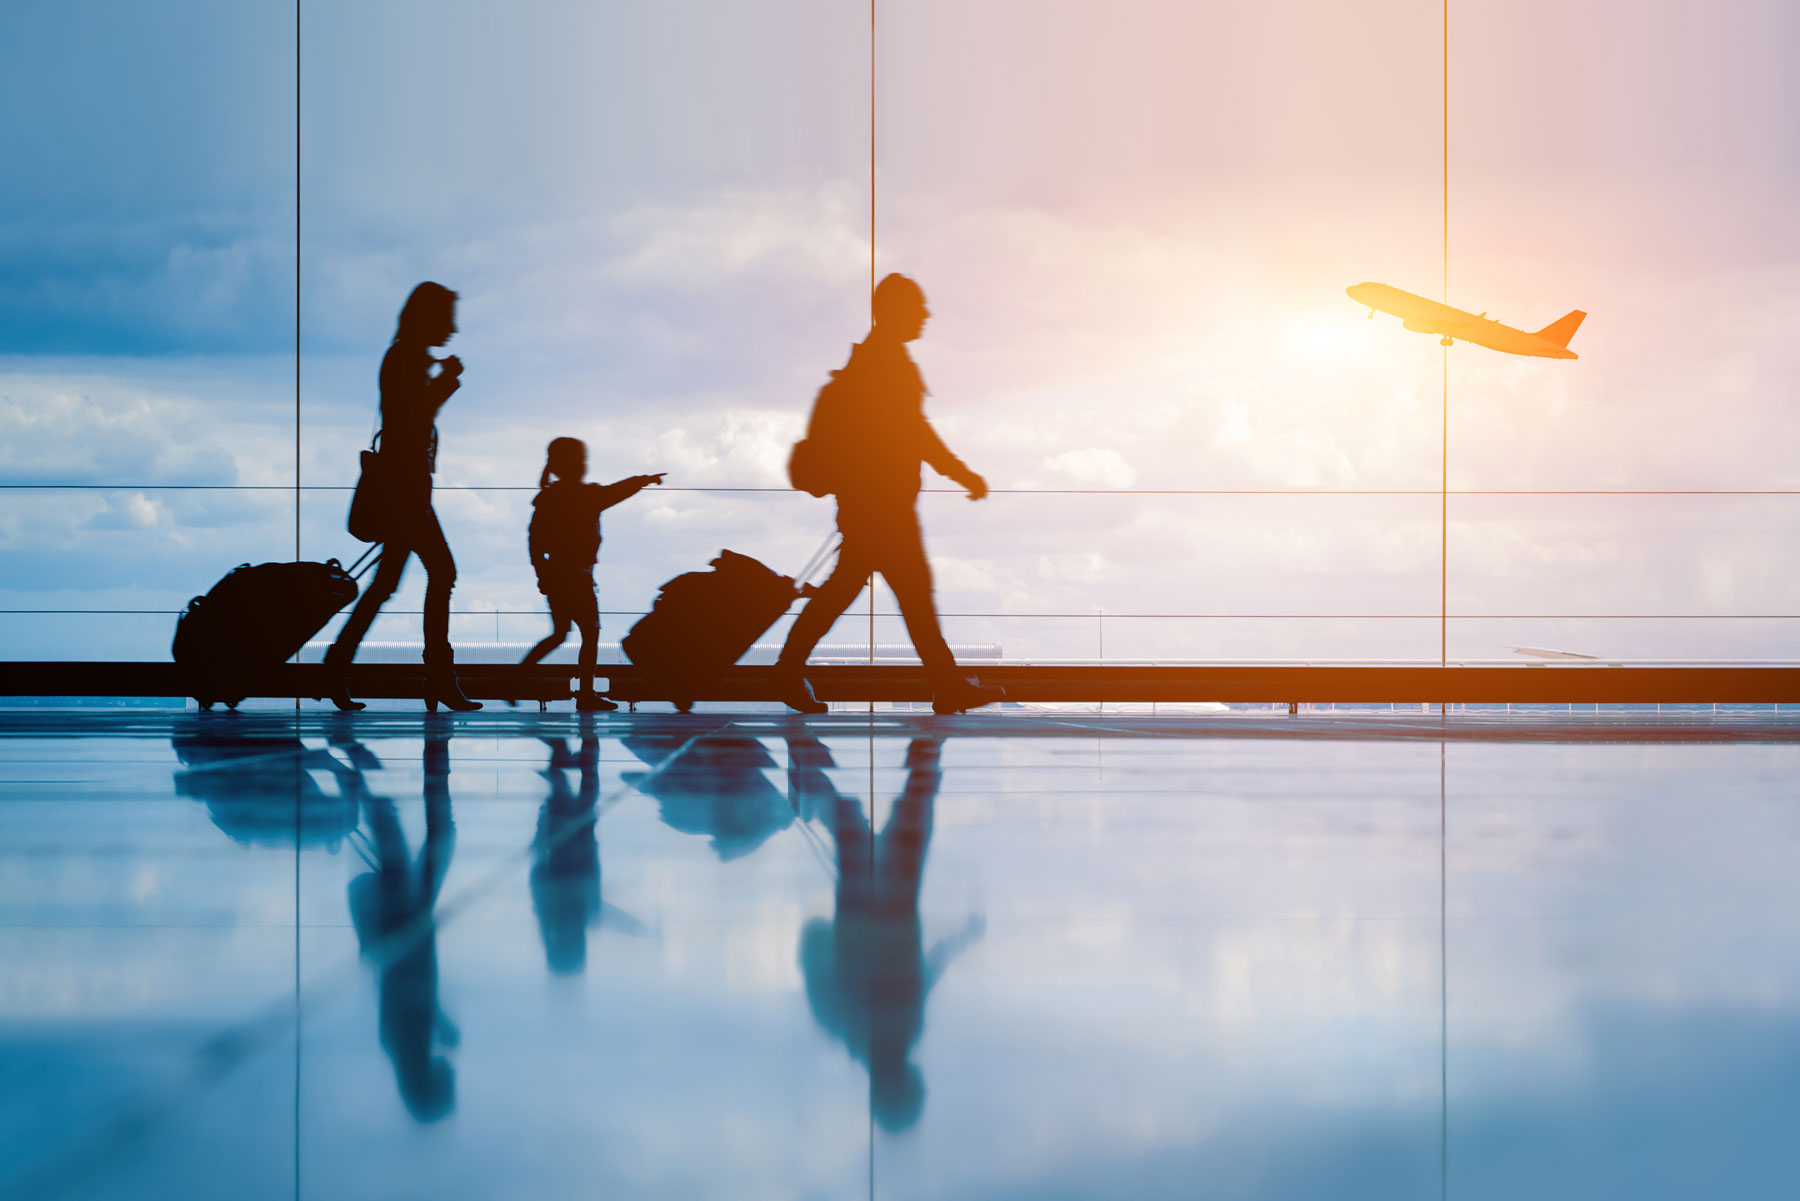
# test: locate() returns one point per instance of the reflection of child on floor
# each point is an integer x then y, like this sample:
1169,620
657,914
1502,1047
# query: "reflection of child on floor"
565,544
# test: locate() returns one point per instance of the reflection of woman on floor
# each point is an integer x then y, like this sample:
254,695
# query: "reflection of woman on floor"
867,972
391,907
565,871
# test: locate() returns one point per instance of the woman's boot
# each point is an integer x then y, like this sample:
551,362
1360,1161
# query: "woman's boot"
441,687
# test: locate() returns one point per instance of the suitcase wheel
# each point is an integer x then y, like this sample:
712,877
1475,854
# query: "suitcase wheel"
205,706
684,706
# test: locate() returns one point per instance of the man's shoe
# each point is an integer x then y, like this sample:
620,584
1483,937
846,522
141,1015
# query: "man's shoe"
962,695
794,691
593,702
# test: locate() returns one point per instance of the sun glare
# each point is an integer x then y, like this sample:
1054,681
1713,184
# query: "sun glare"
1324,339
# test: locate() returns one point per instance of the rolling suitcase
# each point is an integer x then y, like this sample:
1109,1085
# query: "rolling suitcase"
252,620
703,621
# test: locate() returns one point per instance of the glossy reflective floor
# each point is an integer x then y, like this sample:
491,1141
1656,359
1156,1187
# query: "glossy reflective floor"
504,956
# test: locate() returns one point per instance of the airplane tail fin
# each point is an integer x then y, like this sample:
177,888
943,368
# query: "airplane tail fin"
1562,329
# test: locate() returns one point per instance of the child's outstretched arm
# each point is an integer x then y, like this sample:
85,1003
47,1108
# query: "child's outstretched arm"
630,486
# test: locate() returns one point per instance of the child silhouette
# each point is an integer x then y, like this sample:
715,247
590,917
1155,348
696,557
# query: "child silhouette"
564,541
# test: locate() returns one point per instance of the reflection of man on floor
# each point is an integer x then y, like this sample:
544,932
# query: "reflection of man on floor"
867,972
391,907
872,437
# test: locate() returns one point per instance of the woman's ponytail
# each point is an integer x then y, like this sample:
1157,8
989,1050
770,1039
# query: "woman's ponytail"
566,459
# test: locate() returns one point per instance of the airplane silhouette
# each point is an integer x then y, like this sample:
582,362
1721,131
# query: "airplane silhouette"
1429,317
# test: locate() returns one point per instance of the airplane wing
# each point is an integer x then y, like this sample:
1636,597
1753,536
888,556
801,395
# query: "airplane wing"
1438,314
1451,324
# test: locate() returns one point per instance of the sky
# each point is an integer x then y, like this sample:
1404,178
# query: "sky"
1134,225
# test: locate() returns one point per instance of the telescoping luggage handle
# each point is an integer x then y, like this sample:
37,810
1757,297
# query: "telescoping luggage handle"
369,558
819,557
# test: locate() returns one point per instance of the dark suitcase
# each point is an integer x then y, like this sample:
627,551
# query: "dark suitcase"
252,620
703,622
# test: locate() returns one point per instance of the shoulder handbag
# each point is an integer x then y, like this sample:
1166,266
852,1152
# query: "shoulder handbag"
370,503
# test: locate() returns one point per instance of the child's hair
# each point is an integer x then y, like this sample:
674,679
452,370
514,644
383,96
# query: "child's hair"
567,458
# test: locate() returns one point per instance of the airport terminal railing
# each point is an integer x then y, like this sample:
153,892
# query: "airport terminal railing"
1042,683
1100,635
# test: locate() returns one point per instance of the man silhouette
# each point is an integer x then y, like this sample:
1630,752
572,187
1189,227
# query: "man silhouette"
871,427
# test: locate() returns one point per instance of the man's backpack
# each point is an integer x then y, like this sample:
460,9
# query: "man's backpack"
817,459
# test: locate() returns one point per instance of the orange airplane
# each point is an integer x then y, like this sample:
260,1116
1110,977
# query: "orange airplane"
1429,317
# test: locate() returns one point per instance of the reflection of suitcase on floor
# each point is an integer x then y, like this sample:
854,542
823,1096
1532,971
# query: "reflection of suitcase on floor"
259,788
254,619
703,622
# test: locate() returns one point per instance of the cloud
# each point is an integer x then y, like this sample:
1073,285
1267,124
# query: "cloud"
734,273
119,422
179,285
1065,351
130,511
1092,467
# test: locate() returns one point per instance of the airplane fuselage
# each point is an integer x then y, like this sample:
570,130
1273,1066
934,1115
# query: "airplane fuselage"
1429,317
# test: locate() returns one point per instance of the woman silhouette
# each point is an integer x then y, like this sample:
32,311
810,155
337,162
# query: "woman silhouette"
414,386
